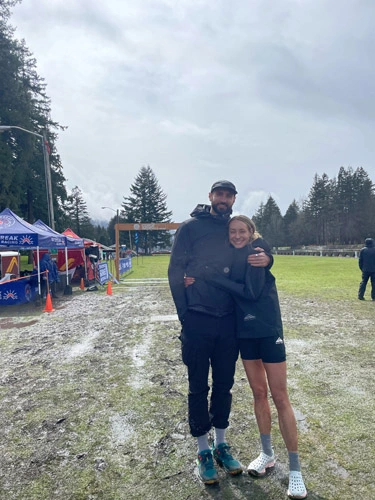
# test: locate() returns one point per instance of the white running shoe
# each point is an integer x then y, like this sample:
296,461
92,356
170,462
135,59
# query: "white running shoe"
259,466
297,489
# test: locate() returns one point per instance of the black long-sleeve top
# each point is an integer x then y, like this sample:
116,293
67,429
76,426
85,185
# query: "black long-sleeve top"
255,294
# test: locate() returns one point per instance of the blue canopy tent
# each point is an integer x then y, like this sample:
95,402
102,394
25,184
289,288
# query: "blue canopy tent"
18,234
70,243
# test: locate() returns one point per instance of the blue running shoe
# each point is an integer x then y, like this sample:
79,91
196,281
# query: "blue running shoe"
224,459
206,469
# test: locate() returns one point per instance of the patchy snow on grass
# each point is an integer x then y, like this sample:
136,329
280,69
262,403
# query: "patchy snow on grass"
94,402
165,317
83,347
121,428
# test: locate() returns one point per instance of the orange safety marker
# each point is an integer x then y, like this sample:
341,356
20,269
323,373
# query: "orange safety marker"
48,307
82,285
109,288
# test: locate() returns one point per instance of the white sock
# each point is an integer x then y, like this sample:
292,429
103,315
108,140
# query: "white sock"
202,442
219,436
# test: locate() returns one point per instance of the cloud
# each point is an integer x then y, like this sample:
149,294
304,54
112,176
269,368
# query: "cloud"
264,93
251,202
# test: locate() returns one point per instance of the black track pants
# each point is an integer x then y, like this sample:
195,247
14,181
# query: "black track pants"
209,341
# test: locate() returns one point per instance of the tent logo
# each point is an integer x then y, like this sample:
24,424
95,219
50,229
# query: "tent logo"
26,239
10,294
6,221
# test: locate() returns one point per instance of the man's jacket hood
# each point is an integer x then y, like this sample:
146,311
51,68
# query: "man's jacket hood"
203,210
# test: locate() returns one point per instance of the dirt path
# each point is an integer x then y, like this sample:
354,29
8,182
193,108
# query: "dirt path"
93,402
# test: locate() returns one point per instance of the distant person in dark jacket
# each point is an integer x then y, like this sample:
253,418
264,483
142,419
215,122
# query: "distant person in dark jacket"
49,272
366,264
261,343
208,337
55,278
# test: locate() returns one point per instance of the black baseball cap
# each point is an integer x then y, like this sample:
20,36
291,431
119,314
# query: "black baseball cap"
224,185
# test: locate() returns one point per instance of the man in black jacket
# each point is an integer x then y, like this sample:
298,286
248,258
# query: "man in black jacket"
208,335
366,264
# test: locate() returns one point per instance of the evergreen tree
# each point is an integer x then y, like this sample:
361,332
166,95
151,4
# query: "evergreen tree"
300,232
24,103
364,195
291,228
10,102
147,204
344,204
258,218
5,11
336,211
319,210
101,235
77,215
270,223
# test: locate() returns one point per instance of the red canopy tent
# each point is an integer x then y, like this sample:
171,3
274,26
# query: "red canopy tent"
80,258
76,256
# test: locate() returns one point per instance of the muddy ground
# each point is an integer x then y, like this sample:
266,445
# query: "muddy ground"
93,402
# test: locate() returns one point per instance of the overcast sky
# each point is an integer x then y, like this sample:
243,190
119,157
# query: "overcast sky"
265,93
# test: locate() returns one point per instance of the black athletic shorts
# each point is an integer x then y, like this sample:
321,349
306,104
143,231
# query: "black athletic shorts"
268,349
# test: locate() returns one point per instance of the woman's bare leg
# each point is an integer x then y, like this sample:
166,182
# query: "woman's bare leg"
256,376
277,381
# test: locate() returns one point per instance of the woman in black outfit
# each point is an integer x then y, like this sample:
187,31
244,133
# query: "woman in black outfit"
261,344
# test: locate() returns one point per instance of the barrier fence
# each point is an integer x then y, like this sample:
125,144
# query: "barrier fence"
323,252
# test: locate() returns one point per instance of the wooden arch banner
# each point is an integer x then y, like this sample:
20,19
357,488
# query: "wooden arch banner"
139,226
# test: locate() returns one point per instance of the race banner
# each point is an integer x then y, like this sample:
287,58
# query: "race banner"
125,265
102,273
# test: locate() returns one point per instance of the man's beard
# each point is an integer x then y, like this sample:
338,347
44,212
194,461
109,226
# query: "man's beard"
224,209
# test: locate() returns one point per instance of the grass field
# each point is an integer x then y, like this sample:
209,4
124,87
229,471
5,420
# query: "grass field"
325,277
334,278
94,394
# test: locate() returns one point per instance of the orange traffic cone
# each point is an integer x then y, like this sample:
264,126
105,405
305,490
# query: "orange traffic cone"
109,288
82,285
49,307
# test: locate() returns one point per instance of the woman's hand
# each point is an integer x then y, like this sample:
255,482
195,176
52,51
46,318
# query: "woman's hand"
259,259
188,281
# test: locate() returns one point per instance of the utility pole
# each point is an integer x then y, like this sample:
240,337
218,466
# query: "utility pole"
47,169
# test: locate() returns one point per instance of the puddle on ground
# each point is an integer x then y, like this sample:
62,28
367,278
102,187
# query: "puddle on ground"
8,323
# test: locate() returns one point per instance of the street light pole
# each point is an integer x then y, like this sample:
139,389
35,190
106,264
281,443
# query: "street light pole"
47,169
113,210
